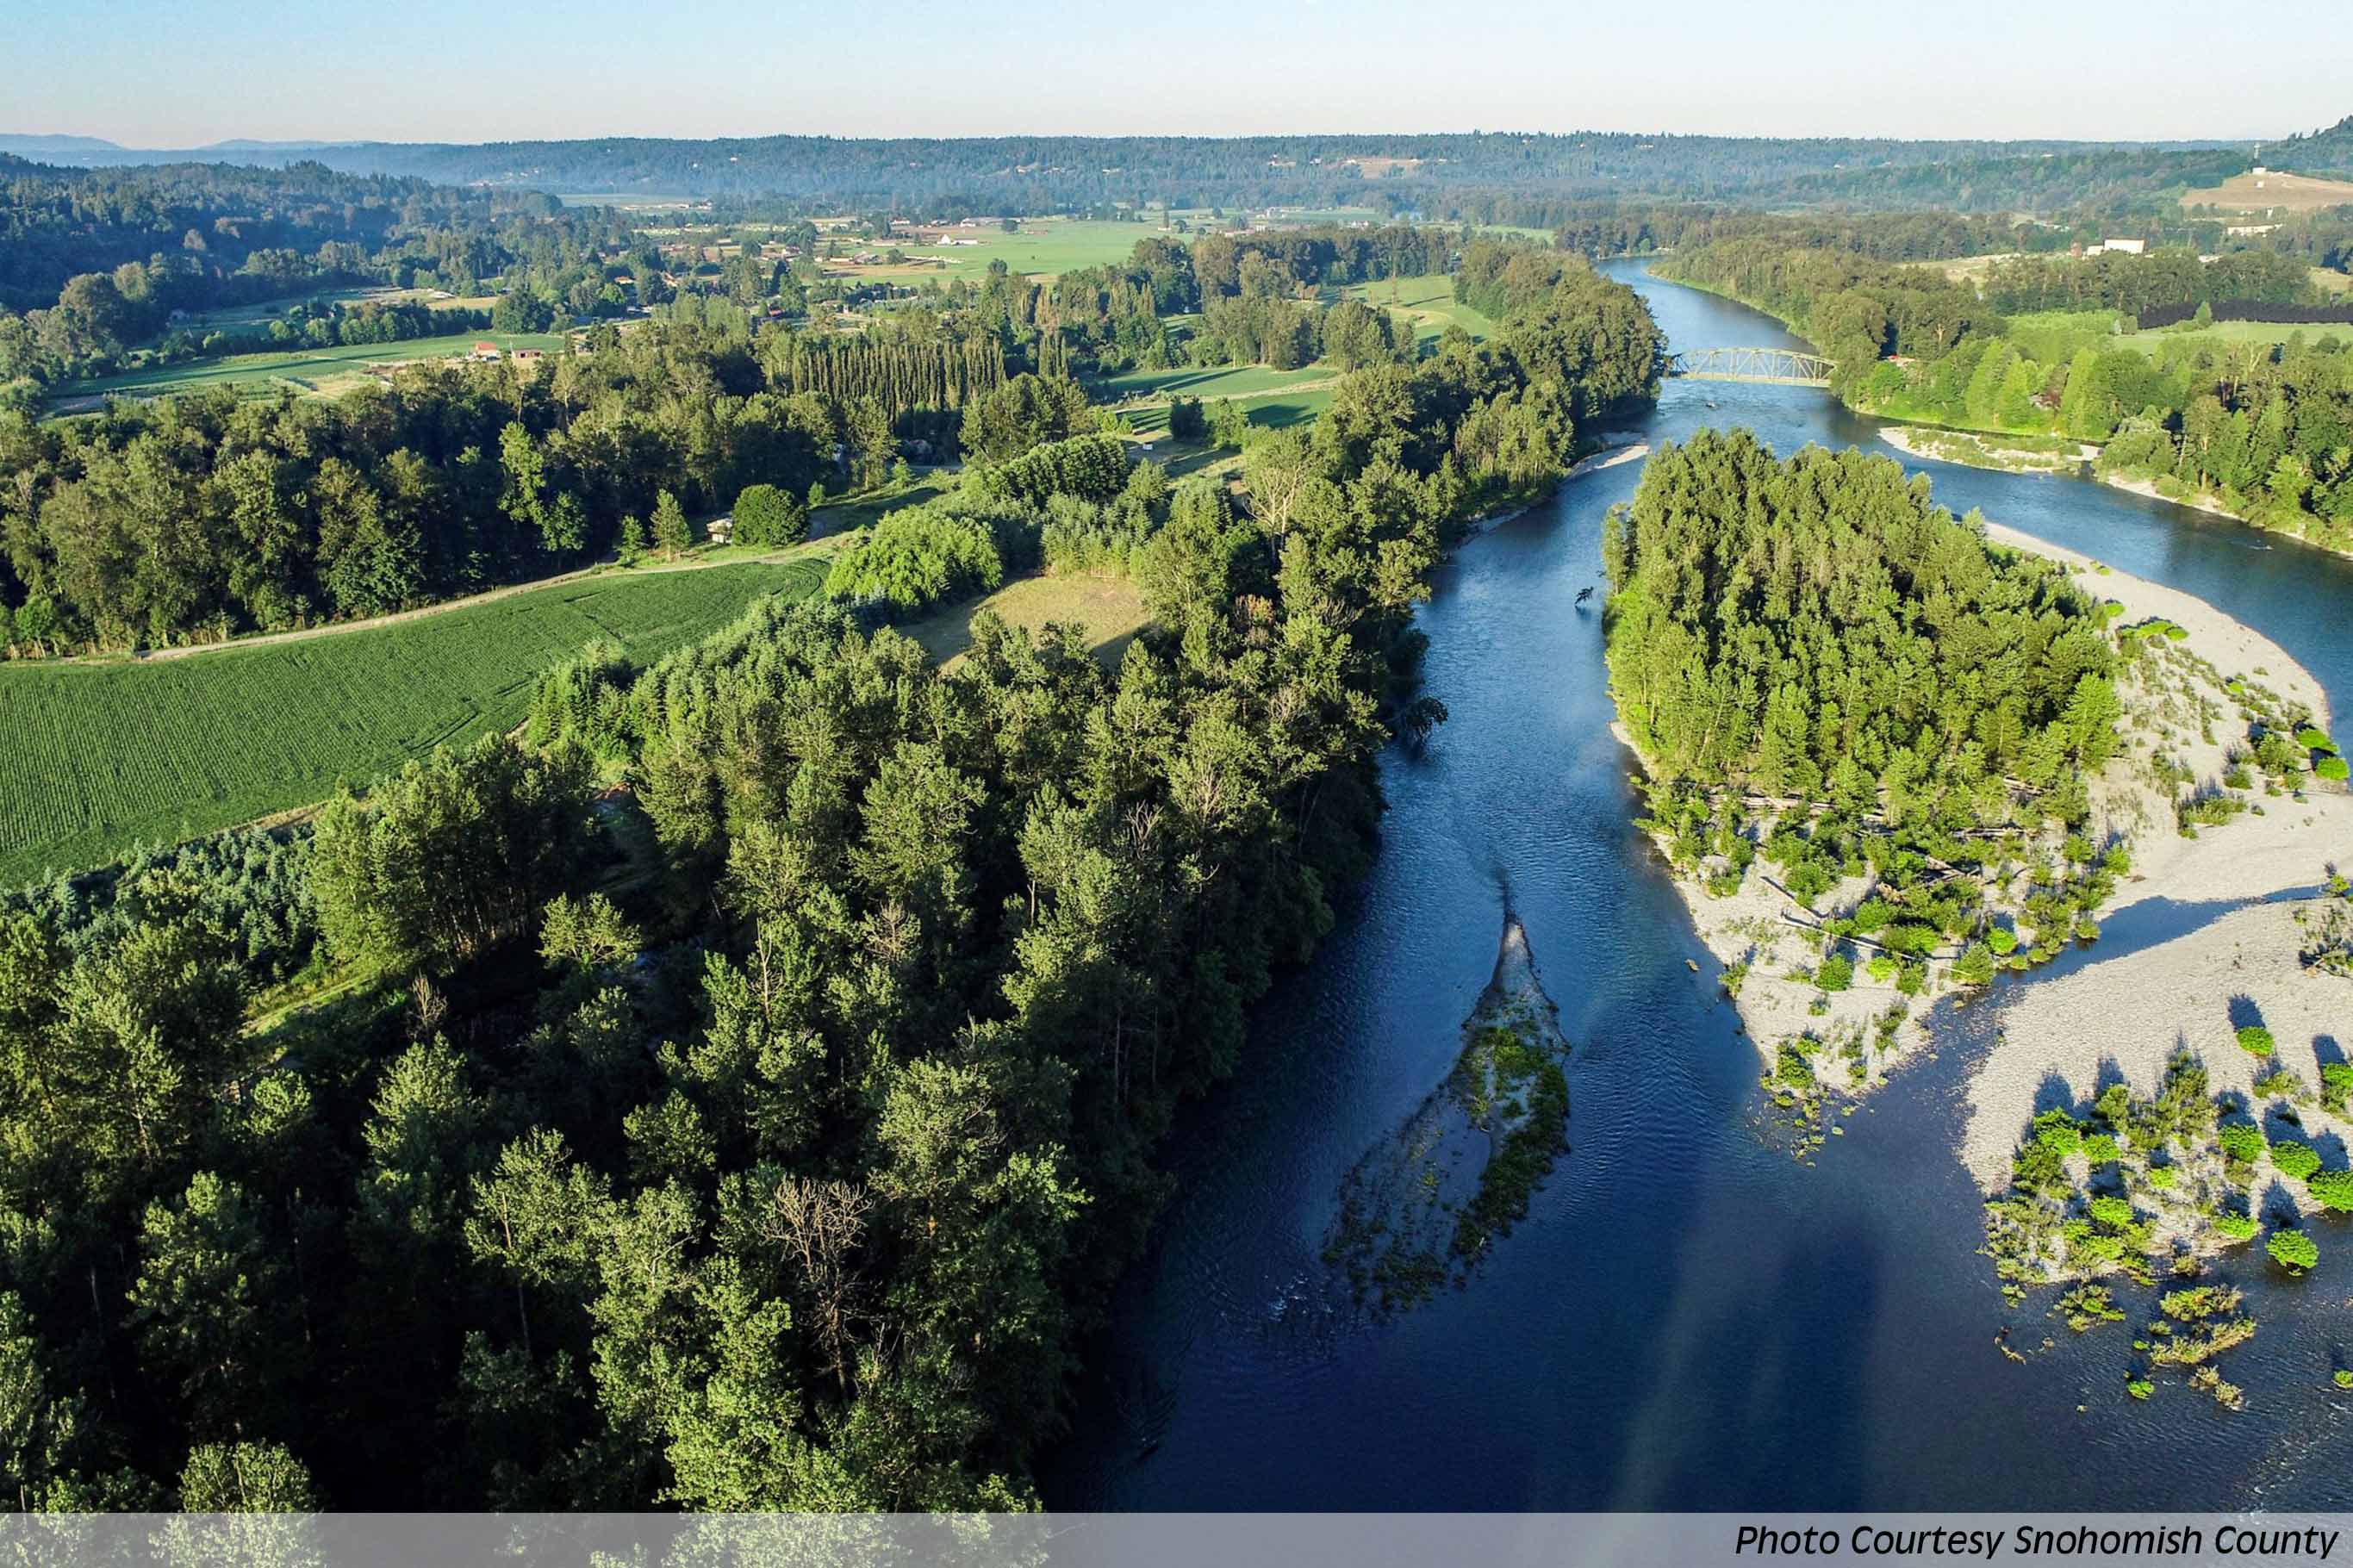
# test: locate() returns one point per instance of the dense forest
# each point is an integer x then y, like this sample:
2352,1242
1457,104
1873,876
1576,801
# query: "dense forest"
2264,429
1817,663
767,1136
95,262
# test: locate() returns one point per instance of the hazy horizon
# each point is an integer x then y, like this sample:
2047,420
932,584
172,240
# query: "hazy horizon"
189,75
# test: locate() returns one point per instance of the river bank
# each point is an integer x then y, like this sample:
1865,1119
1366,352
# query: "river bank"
2234,890
1977,451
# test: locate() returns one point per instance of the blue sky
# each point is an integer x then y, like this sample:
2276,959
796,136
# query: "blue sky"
148,73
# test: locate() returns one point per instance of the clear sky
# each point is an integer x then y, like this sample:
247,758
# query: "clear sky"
179,73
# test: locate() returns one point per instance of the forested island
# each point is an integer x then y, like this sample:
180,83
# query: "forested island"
1890,756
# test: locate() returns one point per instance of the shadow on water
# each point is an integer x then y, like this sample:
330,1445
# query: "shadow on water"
1687,1317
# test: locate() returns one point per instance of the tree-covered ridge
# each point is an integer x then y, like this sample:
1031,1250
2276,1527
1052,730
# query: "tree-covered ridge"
1814,628
1042,173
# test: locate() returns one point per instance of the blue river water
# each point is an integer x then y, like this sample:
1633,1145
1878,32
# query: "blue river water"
1689,1317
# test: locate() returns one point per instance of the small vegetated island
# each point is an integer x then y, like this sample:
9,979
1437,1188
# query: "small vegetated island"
1423,1207
1889,755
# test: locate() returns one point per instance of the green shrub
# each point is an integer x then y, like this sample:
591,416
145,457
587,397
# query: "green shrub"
2342,1377
2313,740
2242,1143
2003,940
2294,1159
1974,966
2139,1387
1881,968
1836,974
2332,1190
2101,1149
2113,1213
2163,1177
2234,1227
2255,1040
2336,1085
2332,768
2292,1249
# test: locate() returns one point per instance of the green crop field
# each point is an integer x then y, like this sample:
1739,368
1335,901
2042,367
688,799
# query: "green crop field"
308,370
97,757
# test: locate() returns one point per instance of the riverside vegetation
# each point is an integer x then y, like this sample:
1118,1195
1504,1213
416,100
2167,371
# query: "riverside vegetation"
2262,430
761,1132
2158,1188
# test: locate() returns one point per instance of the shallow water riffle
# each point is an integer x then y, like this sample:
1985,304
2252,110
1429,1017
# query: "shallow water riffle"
1428,1204
1687,1317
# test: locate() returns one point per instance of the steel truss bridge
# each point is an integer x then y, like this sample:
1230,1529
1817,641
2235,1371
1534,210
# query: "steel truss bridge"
1776,367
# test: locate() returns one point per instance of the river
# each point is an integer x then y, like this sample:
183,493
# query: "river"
1689,1317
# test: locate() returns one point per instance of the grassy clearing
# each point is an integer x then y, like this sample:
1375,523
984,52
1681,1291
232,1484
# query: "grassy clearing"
97,757
1044,248
2329,282
1209,381
2037,333
1427,301
1108,608
2284,192
306,369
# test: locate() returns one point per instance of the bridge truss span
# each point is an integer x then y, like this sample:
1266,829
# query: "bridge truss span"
1777,367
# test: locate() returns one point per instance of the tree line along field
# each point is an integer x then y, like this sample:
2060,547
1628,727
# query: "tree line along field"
310,369
1044,247
97,757
2027,325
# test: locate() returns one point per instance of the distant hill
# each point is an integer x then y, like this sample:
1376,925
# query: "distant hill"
1406,173
2324,152
97,153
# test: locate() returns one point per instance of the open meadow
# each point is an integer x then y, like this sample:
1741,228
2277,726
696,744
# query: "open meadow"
1108,608
1044,248
1427,302
2271,191
2050,335
96,757
319,371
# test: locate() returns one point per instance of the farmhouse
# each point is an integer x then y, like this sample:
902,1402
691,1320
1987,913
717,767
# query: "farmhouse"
484,350
723,528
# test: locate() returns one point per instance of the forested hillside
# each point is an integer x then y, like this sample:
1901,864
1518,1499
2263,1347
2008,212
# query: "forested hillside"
767,1143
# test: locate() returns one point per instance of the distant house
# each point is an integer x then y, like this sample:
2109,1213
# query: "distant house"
2125,246
484,350
723,528
528,359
